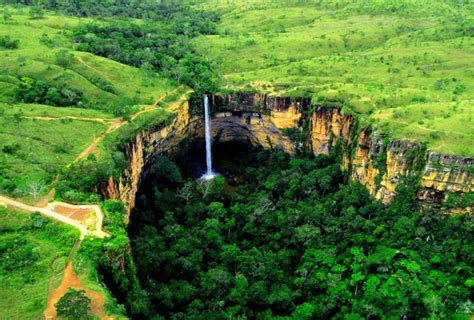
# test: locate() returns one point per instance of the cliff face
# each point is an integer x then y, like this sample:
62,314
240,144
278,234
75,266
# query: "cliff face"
329,125
259,102
446,173
256,128
380,165
139,150
370,158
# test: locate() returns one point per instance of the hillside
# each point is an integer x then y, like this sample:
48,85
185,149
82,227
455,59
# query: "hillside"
38,139
404,65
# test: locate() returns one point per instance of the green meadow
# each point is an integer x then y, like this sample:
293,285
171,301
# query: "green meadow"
26,110
101,80
33,148
33,253
395,58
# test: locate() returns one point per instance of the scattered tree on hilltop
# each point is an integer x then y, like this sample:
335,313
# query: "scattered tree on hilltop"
74,305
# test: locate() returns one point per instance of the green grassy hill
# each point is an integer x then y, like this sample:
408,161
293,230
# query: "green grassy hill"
37,140
101,80
406,65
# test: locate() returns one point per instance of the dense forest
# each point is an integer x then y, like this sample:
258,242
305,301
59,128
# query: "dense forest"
293,239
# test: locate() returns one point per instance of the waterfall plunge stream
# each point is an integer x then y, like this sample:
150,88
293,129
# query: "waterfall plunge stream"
207,122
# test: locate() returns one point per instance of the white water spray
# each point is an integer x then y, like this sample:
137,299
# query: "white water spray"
207,123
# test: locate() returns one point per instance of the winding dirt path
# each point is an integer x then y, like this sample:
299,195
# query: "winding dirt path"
93,146
61,211
81,61
50,211
65,212
117,124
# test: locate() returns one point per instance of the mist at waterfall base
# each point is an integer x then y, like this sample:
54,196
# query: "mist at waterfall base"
210,174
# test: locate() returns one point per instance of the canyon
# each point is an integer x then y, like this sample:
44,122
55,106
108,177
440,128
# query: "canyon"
368,156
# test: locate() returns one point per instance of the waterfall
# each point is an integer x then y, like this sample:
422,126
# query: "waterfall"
207,122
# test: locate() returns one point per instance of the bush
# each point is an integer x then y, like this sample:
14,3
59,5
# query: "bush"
435,134
80,197
7,186
36,12
39,91
64,58
8,43
16,254
11,148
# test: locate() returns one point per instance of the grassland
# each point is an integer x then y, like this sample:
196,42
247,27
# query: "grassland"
37,140
33,253
101,80
25,110
35,149
386,60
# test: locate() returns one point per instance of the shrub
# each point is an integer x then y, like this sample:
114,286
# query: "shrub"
39,91
435,134
16,254
64,58
36,12
460,88
8,43
11,148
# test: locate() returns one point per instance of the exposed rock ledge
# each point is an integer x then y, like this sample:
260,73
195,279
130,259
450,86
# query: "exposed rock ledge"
257,129
370,160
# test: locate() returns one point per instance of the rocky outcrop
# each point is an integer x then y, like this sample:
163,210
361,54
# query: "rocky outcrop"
369,157
140,150
259,102
380,164
446,173
327,126
256,128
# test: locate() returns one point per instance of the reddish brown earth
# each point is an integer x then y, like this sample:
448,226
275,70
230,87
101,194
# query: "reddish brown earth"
71,280
74,213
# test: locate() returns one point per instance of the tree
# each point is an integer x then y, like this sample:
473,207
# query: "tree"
204,187
34,188
327,249
8,43
6,16
304,311
64,58
74,305
36,12
186,192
